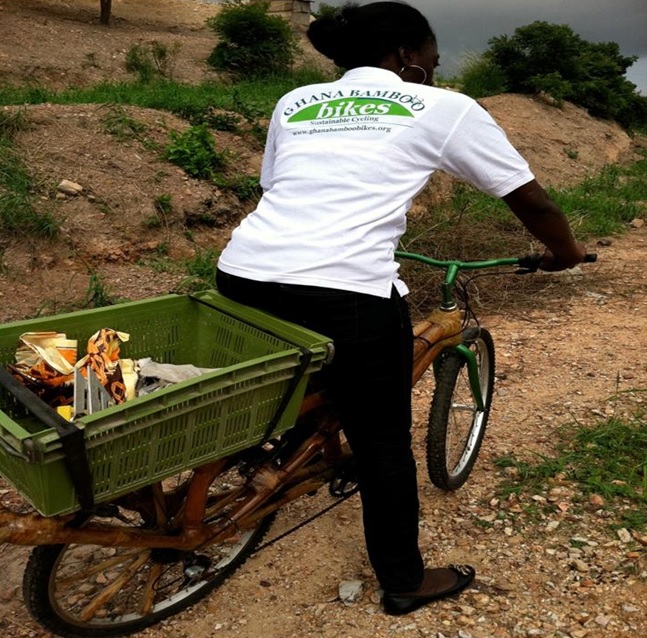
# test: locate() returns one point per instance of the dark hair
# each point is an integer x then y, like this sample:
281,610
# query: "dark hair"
365,35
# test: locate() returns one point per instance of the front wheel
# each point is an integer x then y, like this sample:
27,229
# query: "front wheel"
456,425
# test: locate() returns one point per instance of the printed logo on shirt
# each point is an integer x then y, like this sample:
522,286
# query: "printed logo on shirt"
372,110
350,108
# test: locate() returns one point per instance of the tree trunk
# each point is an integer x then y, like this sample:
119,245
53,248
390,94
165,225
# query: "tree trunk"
106,6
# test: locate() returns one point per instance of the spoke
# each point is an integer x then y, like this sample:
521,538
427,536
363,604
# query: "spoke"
99,567
149,591
463,406
160,505
224,499
113,589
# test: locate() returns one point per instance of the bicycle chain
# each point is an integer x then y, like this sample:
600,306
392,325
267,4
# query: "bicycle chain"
339,501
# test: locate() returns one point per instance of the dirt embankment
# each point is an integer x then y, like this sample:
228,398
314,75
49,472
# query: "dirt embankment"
113,227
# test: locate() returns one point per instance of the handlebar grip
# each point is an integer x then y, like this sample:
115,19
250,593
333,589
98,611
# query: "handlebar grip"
530,263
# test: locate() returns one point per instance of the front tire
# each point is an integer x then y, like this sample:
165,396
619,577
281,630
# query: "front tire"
456,426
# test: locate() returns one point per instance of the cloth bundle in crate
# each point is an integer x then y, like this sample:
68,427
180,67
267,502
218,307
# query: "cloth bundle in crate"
263,367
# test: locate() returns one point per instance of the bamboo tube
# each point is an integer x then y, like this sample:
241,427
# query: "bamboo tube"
423,362
444,329
427,339
312,401
419,328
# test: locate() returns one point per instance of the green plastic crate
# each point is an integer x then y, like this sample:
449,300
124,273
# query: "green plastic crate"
182,426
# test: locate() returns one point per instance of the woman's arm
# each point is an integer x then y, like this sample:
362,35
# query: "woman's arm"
544,219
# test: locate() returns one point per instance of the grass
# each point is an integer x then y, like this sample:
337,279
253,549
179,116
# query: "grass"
253,101
185,100
97,294
194,152
117,123
201,271
608,459
472,225
246,187
164,204
18,215
600,206
151,60
604,204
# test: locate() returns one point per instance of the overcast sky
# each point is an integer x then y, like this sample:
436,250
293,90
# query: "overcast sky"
464,26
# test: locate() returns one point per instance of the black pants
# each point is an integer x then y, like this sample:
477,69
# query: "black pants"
370,384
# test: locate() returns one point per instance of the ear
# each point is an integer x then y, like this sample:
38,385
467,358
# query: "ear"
406,55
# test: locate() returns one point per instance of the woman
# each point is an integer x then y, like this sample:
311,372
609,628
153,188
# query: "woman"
342,163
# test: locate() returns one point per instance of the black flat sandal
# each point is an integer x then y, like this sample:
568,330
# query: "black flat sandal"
406,602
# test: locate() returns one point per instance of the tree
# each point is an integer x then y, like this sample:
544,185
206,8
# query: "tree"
552,58
106,8
325,10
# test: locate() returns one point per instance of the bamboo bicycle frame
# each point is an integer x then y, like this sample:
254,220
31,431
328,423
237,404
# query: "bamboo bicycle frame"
271,487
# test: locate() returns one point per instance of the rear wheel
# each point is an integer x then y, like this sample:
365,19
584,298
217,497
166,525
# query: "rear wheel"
456,425
91,590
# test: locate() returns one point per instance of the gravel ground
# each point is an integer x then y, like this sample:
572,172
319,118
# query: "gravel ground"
547,564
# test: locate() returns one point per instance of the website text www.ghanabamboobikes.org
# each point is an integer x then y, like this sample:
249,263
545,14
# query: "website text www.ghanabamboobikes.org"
335,129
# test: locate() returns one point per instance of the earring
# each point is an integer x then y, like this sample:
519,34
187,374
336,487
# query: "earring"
414,66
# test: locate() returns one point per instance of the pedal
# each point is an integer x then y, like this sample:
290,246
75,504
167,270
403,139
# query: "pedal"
345,483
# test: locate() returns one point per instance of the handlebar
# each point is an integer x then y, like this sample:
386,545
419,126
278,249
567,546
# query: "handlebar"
527,264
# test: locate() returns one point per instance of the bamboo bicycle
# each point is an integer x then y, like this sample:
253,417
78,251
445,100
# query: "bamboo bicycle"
146,555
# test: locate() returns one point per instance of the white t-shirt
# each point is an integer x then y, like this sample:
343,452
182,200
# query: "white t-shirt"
343,162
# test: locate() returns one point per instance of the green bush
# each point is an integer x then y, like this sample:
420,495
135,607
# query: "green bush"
252,43
552,58
194,152
481,78
150,60
221,121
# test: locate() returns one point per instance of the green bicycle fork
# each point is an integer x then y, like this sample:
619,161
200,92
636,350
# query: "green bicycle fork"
473,373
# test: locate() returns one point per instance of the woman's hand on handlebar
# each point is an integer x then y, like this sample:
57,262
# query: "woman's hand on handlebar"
552,263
